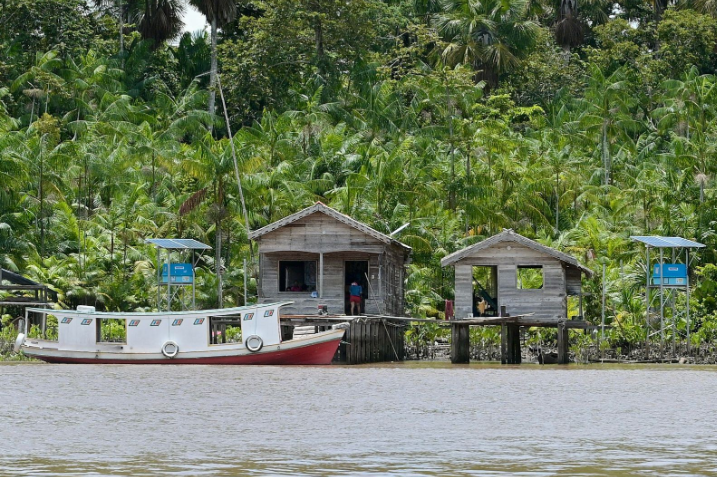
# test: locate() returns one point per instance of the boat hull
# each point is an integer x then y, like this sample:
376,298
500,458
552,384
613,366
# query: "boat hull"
317,350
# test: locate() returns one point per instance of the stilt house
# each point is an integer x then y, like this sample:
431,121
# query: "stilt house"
313,256
513,271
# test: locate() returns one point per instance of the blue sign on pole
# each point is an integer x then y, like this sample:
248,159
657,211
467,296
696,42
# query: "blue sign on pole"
673,274
182,273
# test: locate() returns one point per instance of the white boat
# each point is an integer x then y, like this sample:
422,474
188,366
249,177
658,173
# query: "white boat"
187,337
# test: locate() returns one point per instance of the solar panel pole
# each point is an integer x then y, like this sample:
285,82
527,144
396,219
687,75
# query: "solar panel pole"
159,276
169,280
602,324
647,305
662,303
687,284
673,294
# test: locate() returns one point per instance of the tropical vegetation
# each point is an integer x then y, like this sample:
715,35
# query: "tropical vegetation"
576,124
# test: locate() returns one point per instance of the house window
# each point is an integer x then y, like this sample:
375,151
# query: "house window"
530,277
297,276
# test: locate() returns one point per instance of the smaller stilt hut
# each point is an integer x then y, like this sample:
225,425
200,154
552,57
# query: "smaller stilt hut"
509,273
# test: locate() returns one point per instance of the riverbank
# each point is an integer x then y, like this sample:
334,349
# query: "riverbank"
704,355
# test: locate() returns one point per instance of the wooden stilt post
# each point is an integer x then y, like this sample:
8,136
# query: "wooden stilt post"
514,331
503,344
510,344
563,343
460,344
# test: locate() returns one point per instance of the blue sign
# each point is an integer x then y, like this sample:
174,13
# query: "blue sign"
670,270
674,274
182,273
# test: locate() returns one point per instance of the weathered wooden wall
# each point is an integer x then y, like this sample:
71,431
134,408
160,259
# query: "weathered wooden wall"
372,341
548,303
318,233
573,278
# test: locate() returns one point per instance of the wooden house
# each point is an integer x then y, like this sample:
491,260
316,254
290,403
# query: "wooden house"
313,256
513,271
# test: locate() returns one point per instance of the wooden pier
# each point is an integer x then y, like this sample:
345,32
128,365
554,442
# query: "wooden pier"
18,292
368,339
510,352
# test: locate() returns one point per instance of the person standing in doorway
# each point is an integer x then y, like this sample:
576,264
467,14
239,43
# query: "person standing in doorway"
355,292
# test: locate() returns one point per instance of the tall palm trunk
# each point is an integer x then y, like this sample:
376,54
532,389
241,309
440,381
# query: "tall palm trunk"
557,202
121,31
218,261
41,193
605,152
213,68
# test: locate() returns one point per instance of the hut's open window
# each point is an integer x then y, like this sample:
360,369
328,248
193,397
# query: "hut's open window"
530,277
297,276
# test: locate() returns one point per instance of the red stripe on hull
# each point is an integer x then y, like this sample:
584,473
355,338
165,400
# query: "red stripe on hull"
317,354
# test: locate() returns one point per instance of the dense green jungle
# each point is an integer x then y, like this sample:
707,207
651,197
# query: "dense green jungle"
577,124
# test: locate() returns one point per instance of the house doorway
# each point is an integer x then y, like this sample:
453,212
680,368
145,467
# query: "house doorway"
485,291
355,270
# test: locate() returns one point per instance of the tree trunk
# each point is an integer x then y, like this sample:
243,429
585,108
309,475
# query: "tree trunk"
124,251
605,153
152,189
213,68
41,193
218,261
557,202
121,32
319,37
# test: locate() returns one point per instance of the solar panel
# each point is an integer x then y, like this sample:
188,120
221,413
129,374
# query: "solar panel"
194,244
179,244
666,242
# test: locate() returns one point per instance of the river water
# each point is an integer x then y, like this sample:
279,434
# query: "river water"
408,419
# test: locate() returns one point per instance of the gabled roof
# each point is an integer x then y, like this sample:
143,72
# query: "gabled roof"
334,214
510,236
16,278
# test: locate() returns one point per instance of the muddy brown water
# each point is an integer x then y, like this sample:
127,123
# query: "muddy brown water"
414,419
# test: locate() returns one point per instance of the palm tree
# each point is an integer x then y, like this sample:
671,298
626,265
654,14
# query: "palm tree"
157,20
605,110
573,16
218,13
161,20
568,29
489,35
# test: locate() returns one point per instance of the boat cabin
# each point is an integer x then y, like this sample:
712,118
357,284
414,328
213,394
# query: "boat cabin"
189,337
318,256
521,274
85,329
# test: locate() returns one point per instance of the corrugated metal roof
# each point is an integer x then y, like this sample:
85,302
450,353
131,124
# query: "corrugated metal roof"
179,244
658,241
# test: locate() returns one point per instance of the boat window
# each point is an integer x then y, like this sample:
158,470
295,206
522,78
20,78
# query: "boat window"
45,327
224,329
297,276
530,277
111,331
